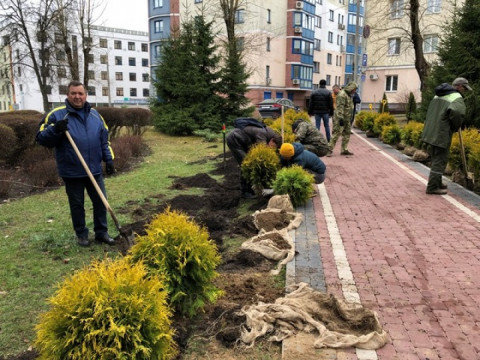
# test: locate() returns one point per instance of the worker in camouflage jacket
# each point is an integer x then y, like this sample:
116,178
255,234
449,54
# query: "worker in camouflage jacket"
445,115
310,137
341,118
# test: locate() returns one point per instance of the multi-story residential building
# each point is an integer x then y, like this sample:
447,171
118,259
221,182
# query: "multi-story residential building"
7,99
289,45
391,58
119,71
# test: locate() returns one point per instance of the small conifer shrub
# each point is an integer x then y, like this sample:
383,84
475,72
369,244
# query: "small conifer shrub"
260,167
296,182
411,134
382,120
178,250
391,134
110,310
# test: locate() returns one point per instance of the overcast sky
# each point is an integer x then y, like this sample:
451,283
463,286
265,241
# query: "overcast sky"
125,14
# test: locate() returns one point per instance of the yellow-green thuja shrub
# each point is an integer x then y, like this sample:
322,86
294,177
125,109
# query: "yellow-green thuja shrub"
179,251
110,310
391,134
382,120
260,167
364,120
296,182
289,118
412,134
471,143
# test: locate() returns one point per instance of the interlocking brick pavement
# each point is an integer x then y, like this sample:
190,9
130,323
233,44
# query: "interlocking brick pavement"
415,258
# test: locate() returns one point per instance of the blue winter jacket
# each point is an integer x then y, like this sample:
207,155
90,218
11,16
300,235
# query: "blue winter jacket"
306,159
89,132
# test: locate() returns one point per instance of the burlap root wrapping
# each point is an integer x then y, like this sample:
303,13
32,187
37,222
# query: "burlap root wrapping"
274,245
269,219
338,324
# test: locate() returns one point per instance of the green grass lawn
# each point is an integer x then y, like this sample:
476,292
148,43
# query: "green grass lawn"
37,242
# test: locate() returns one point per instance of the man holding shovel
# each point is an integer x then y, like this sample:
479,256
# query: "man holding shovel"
90,134
445,115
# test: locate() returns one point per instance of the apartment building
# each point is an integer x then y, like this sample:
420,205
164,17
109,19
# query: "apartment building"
289,45
390,67
119,71
7,99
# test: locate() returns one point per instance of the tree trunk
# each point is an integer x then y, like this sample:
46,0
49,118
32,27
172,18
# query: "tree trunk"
421,65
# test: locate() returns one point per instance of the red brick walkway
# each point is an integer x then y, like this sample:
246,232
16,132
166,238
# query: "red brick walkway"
415,258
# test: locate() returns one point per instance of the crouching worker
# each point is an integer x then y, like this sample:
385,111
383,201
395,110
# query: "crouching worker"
248,132
310,137
295,153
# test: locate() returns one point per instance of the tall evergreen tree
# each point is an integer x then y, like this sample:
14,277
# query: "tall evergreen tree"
187,82
459,56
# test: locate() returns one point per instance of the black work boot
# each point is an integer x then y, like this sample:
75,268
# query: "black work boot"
105,238
83,241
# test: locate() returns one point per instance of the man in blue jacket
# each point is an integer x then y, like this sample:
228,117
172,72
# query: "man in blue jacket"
90,134
296,154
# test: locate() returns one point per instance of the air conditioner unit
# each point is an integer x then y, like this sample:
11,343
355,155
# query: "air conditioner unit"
268,81
296,81
341,26
298,30
299,5
373,77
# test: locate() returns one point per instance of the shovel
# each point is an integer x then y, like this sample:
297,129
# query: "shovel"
468,180
123,234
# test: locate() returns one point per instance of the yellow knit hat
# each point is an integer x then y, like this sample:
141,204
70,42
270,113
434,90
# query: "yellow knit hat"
287,150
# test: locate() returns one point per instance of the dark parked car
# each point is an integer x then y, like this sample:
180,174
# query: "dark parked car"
272,108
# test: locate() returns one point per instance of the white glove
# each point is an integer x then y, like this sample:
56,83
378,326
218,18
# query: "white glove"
267,192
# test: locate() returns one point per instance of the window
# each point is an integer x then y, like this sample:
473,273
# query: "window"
144,47
103,59
91,90
302,47
145,77
157,3
103,43
146,92
268,44
131,45
317,44
157,50
104,75
62,72
329,59
132,76
62,89
330,37
430,44
396,9
198,1
90,58
319,2
91,75
117,44
104,91
394,46
269,16
119,91
119,76
392,83
328,79
48,89
331,17
240,43
133,92
240,16
58,38
144,62
60,55
118,60
87,40
318,21
434,6
158,26
131,61
316,67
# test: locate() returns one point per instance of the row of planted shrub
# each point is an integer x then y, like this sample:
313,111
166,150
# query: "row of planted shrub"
122,309
385,127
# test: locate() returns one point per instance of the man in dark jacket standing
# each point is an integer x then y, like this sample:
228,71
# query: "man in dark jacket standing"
445,115
90,134
321,105
240,140
310,137
296,154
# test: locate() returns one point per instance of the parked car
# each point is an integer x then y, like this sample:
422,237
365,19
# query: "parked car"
272,108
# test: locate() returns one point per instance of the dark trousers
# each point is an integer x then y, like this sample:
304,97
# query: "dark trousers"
439,162
238,143
75,189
